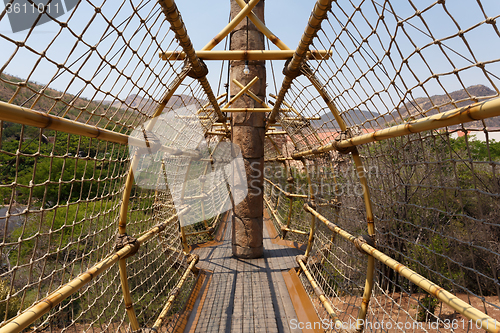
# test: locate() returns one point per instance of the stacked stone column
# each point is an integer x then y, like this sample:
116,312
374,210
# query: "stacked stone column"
248,130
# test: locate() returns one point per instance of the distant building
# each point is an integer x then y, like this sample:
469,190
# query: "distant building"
479,134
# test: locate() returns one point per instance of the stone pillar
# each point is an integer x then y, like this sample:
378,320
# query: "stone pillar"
248,130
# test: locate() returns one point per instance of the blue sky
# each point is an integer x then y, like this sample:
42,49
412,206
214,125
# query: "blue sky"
287,19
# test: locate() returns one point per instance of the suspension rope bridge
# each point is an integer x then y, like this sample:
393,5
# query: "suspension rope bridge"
361,195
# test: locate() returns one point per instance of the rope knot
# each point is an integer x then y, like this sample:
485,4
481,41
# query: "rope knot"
196,74
364,239
123,240
343,136
302,258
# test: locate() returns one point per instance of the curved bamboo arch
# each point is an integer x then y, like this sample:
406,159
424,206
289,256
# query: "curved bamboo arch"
366,195
370,220
129,182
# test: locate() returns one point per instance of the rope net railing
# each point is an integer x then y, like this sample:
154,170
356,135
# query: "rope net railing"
430,188
61,194
433,193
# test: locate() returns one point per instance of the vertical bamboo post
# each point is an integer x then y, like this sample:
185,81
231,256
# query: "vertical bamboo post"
312,229
370,271
183,193
289,218
289,180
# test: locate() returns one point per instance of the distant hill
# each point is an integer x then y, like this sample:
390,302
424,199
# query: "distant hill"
351,117
425,104
409,109
26,97
126,110
135,101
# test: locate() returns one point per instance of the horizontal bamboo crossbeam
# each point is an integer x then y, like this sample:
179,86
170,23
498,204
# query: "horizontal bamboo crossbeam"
280,159
248,110
245,55
216,133
174,293
287,194
30,315
478,111
195,233
276,133
300,118
320,293
20,115
487,323
300,232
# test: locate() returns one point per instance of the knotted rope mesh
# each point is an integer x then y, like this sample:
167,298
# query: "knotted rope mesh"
61,193
434,194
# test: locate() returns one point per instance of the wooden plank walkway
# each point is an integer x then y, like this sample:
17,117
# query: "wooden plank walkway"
245,295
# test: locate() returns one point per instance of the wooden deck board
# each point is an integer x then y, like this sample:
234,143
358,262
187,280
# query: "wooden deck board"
246,295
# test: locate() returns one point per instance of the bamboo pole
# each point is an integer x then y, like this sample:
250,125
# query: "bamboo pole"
301,118
246,110
241,92
173,295
20,115
287,194
216,133
252,95
208,103
489,324
280,159
195,233
285,103
234,22
30,315
300,232
312,230
326,97
122,221
273,212
289,218
262,28
319,292
478,111
276,133
370,269
319,13
199,71
246,55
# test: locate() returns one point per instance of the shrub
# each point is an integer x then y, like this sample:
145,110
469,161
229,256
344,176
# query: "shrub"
8,304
